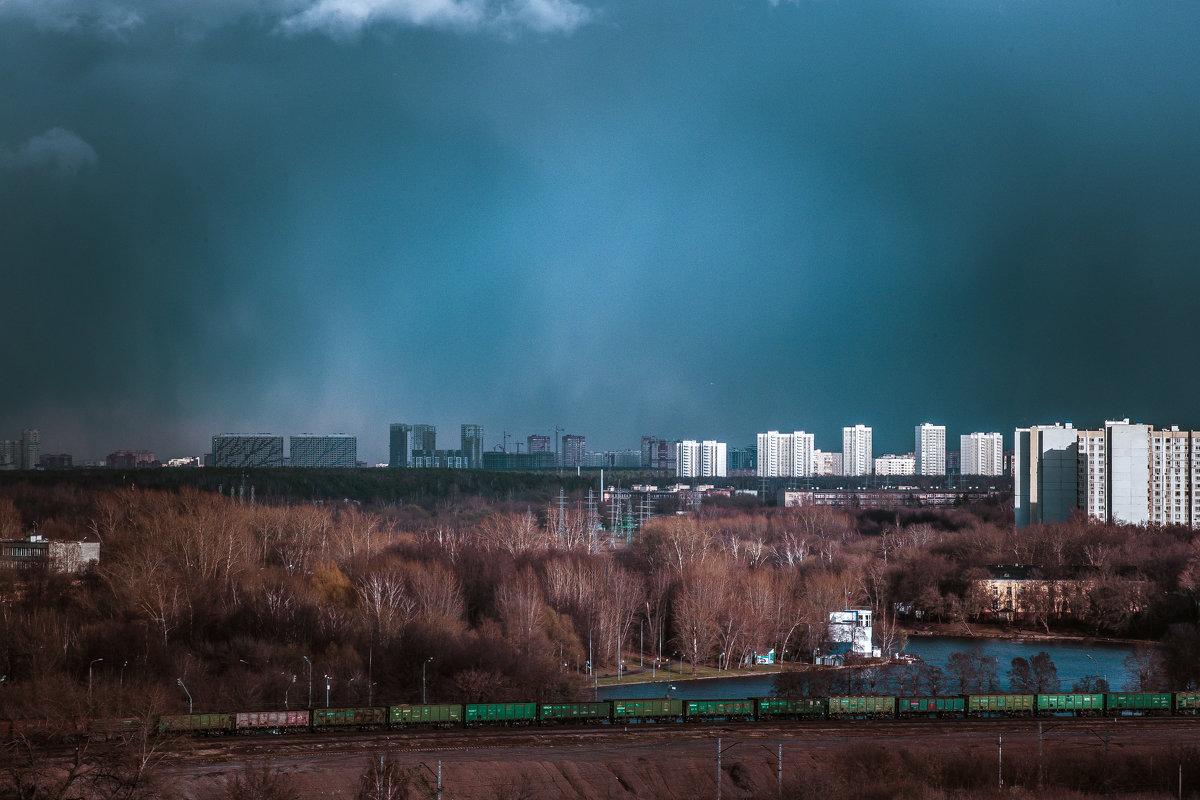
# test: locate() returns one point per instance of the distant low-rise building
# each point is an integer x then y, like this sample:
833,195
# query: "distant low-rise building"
131,459
890,464
881,498
518,462
57,461
54,555
850,632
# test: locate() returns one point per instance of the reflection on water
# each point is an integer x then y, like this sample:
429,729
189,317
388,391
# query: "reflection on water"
1074,661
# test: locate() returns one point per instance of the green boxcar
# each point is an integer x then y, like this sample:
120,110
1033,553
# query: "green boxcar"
443,715
509,713
349,717
1187,702
1071,703
574,712
196,723
935,706
862,706
710,709
647,709
1001,703
1138,702
791,707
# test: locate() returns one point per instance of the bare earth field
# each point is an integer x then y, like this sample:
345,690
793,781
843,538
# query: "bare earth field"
660,762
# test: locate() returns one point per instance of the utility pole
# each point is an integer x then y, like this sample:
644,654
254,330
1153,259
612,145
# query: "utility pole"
1040,773
1000,762
779,774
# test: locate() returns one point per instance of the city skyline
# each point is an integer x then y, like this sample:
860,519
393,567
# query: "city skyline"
246,215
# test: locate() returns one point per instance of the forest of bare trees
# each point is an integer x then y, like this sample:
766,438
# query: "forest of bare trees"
267,606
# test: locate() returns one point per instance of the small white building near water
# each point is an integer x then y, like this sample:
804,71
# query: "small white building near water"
851,631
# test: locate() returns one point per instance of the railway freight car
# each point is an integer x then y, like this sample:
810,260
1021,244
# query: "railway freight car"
700,710
441,716
197,724
1008,705
1187,702
500,713
1085,704
931,706
350,719
1122,703
647,710
862,706
791,707
271,721
565,713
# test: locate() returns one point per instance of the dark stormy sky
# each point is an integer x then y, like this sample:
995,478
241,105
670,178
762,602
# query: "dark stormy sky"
692,218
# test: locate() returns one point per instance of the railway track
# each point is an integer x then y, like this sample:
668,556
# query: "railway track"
1119,731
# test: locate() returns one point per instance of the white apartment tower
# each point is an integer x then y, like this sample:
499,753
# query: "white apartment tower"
1174,478
705,459
687,459
713,456
1127,473
856,451
929,449
1092,482
785,455
981,454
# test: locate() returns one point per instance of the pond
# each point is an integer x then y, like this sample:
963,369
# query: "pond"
1074,661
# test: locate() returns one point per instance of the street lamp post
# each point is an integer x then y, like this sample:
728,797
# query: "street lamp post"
287,689
90,665
185,691
309,663
1097,667
424,664
328,683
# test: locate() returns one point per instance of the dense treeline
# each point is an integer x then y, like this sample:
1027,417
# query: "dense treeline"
239,604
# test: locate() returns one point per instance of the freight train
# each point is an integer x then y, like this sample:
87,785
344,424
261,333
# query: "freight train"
468,715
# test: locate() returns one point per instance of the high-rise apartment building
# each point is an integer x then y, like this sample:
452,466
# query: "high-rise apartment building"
687,459
333,450
1045,473
424,437
658,453
785,455
742,460
400,445
856,451
31,448
706,459
929,449
713,456
1174,477
1127,473
537,443
247,450
472,445
981,454
573,448
10,454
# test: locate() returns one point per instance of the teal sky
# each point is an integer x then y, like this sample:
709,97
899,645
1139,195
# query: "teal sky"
688,219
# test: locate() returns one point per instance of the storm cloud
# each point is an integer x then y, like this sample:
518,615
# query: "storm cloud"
619,217
57,150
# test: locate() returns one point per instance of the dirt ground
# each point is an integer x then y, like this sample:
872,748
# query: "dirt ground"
655,764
